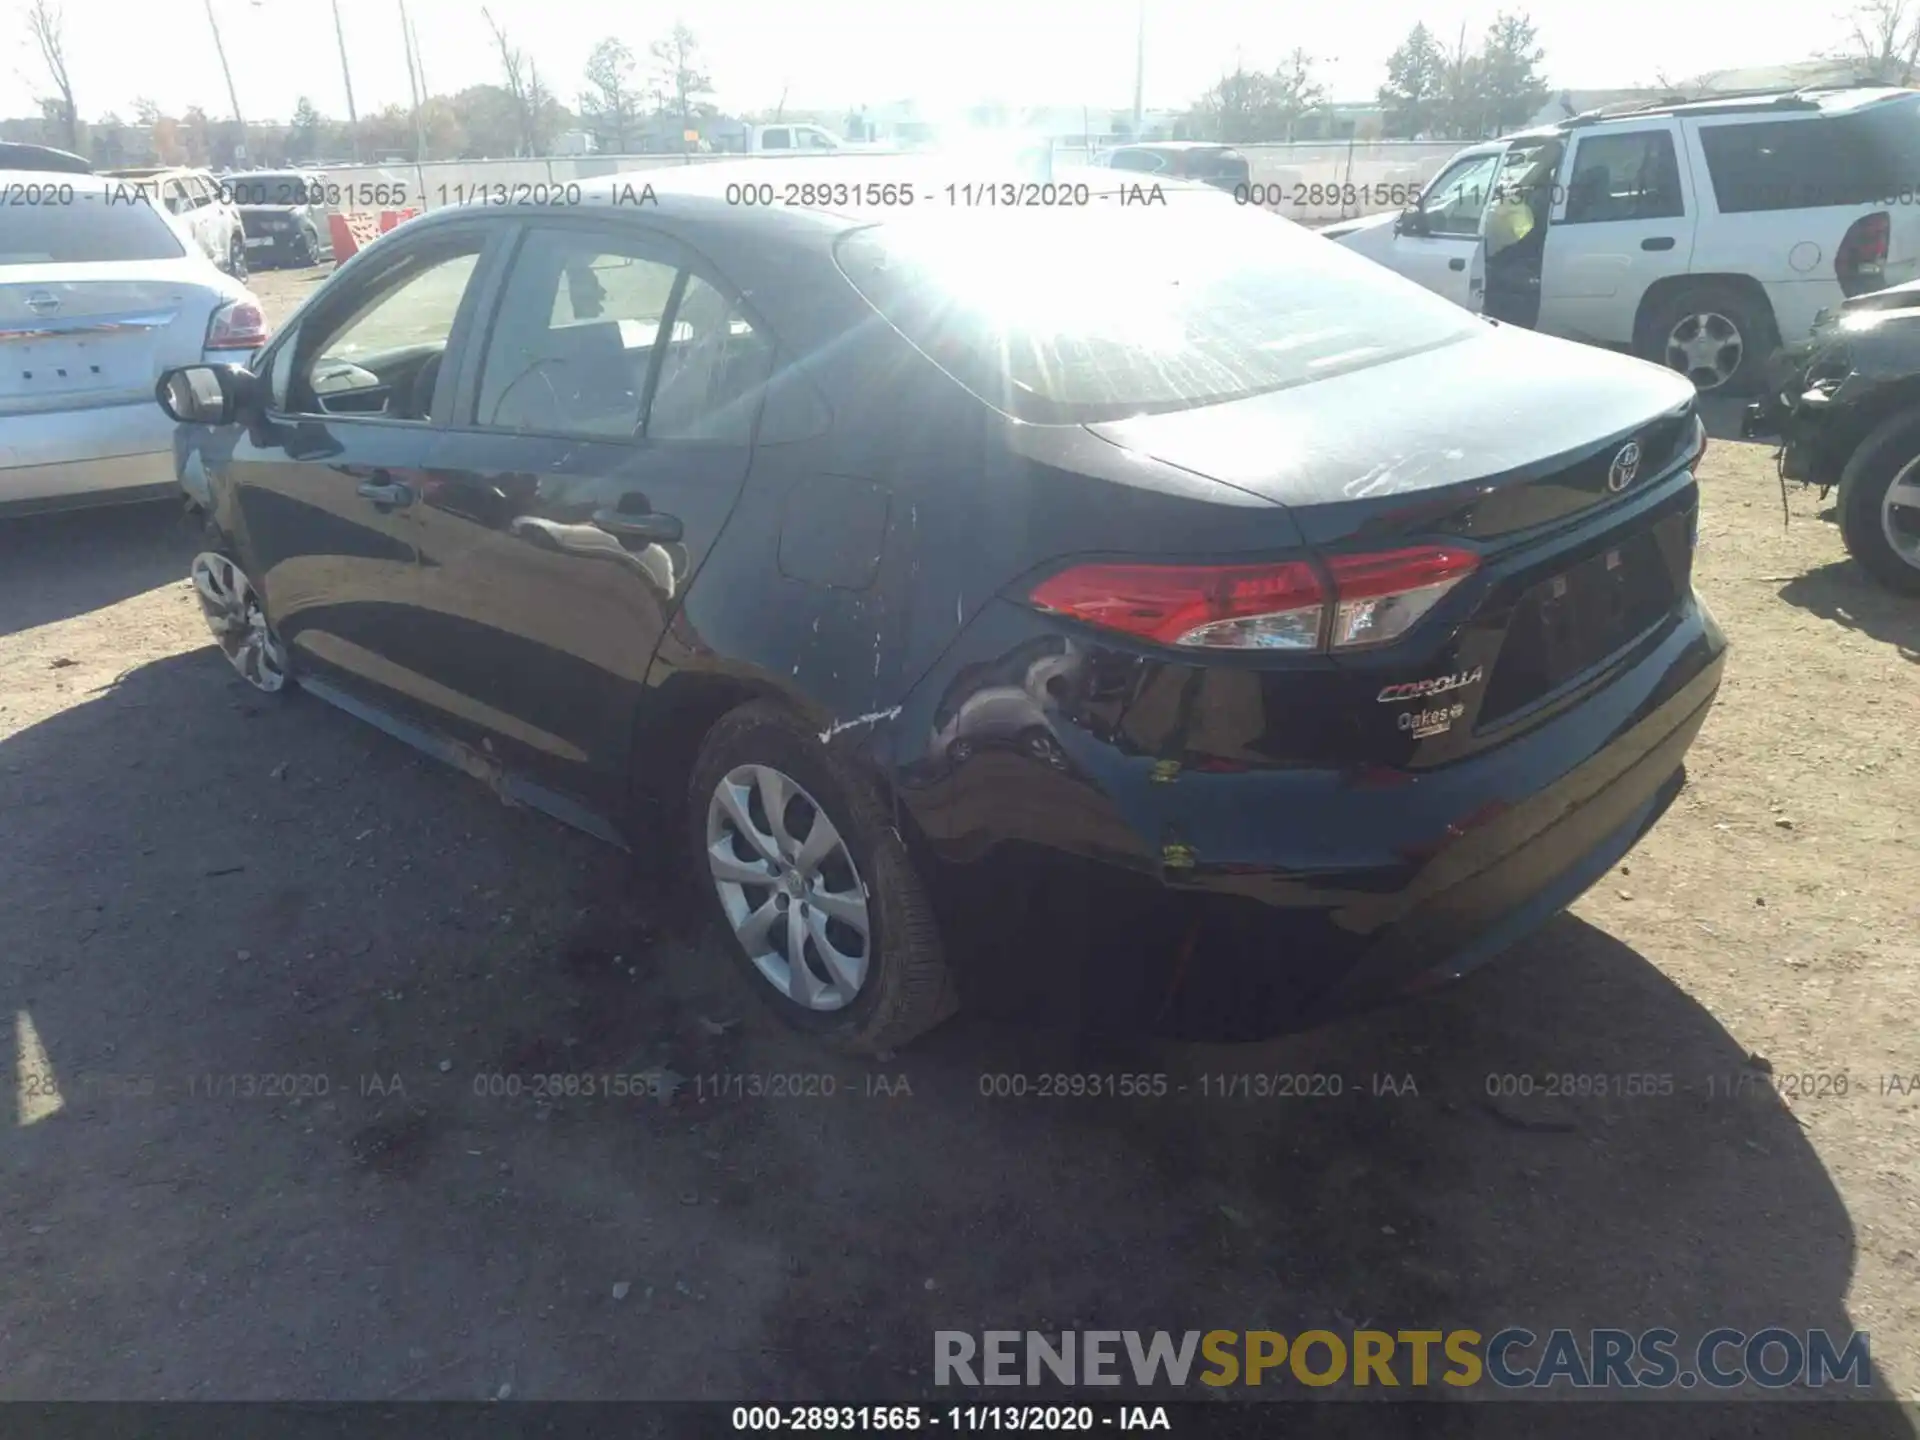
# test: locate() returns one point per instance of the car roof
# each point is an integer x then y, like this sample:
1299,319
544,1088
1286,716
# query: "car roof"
41,159
153,172
1174,145
80,184
1784,104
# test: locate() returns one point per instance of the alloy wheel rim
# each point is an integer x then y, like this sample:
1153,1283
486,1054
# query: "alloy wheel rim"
1705,347
789,887
239,622
1900,514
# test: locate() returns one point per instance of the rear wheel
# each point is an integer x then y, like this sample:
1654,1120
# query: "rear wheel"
828,917
1880,505
306,250
237,258
238,620
1715,335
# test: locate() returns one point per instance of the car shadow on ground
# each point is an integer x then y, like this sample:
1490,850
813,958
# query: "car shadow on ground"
58,566
300,1026
1845,594
1724,415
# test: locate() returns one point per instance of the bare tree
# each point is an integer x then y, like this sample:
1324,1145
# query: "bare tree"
520,84
678,82
612,104
1885,41
47,25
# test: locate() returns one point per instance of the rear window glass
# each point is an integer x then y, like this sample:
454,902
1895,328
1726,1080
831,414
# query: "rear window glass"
1860,158
87,228
1088,314
267,189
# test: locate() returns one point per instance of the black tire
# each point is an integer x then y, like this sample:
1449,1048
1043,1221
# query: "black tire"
908,989
1751,318
306,254
1871,470
237,258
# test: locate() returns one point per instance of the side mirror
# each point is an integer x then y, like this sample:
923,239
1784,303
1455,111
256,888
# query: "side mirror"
203,394
1412,221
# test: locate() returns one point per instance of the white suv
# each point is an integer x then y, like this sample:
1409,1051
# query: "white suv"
204,207
1699,235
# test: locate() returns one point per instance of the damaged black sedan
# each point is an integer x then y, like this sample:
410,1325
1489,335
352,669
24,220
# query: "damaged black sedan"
1845,405
840,541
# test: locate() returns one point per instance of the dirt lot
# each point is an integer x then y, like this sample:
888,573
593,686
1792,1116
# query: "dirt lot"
197,885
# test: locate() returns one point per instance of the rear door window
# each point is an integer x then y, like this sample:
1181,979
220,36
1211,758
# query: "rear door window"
1627,176
1867,156
713,371
575,338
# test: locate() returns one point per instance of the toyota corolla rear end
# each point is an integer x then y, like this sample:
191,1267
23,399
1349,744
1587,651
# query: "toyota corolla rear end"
98,294
1317,593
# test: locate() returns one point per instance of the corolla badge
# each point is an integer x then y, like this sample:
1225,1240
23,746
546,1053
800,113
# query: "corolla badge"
1625,467
43,302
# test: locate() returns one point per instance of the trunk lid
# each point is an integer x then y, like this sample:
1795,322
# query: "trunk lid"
1557,464
1482,439
70,339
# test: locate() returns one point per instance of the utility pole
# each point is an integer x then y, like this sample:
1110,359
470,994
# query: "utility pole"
240,150
1139,67
419,62
346,77
413,85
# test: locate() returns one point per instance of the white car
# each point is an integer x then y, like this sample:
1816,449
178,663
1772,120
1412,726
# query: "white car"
1700,235
204,207
98,295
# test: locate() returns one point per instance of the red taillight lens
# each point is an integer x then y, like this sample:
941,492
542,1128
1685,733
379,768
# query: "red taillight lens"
1281,606
238,325
1233,606
1860,262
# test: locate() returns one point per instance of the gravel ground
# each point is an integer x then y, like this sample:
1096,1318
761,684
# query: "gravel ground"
200,888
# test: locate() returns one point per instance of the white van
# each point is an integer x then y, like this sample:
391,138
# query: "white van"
1699,235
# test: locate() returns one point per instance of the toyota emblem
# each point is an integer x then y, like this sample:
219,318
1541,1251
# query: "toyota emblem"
43,302
1625,467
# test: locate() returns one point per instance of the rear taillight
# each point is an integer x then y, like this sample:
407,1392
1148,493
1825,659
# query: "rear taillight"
238,325
1860,264
1292,605
1380,597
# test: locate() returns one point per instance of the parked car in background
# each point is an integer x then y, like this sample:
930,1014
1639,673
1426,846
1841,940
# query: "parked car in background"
1349,604
1218,165
97,297
1845,406
1699,235
791,139
194,198
42,159
284,214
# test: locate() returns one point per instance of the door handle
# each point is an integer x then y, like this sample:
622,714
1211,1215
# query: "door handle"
648,525
1457,263
386,492
1657,242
